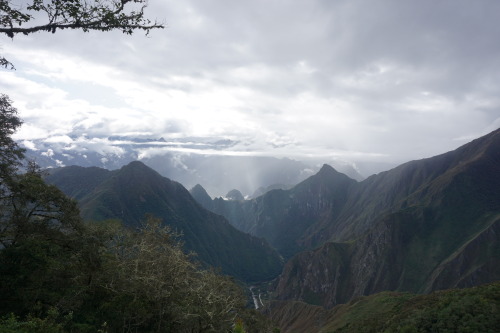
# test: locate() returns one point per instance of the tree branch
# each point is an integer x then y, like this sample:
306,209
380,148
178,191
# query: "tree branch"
6,64
101,16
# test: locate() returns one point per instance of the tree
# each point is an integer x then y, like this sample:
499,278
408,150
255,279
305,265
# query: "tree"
19,17
31,206
41,236
60,274
153,286
10,153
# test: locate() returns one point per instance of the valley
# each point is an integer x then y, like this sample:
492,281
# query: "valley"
421,227
249,166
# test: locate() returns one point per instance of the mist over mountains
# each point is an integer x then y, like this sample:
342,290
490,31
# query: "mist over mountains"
423,226
135,190
218,173
426,225
250,166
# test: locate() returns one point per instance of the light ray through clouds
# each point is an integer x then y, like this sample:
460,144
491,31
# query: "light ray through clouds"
352,80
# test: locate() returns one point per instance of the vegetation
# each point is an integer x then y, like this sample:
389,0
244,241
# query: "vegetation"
58,274
19,17
461,310
474,309
135,190
10,153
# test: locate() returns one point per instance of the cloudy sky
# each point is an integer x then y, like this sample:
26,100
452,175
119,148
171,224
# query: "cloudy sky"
356,80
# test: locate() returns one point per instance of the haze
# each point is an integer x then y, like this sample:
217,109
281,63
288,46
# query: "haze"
356,81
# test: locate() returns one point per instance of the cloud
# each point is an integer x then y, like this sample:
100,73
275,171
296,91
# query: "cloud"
389,80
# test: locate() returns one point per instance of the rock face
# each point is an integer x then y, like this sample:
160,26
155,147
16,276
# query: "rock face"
432,224
289,219
389,258
135,190
425,225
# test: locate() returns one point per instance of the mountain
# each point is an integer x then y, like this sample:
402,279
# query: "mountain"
423,226
264,189
77,182
288,218
464,310
135,190
201,196
235,195
217,173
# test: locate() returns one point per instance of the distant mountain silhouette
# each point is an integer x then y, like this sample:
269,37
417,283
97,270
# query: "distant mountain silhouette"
217,173
235,195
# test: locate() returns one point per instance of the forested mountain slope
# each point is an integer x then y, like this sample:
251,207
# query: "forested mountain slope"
465,310
135,190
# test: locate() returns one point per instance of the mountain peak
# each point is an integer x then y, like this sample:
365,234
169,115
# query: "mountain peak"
201,196
137,167
135,164
199,189
235,195
328,171
326,168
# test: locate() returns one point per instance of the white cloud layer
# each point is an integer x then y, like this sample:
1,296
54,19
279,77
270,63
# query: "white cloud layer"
357,80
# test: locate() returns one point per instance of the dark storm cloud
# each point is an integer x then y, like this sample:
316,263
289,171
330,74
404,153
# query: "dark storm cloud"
390,79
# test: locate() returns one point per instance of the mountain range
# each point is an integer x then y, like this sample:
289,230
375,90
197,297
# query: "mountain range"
133,191
219,173
425,225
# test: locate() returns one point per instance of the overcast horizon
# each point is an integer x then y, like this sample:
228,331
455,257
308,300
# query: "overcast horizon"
359,81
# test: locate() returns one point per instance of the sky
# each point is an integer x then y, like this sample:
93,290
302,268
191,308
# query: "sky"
355,80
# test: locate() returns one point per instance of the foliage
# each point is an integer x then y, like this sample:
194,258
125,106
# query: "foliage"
124,279
152,285
463,310
12,324
130,280
58,274
238,327
10,152
135,190
101,15
32,204
474,309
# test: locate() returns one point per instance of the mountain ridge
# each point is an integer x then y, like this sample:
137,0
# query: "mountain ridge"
422,226
135,190
413,228
437,230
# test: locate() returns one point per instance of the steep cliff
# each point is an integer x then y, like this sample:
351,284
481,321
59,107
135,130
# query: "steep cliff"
434,224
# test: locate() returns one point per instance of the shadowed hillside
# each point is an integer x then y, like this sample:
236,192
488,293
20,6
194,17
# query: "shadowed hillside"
466,310
135,190
426,225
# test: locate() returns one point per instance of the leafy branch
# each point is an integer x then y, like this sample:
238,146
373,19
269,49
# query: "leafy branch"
98,15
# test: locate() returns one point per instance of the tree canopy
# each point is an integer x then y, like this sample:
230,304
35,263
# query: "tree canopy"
10,153
59,274
26,17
